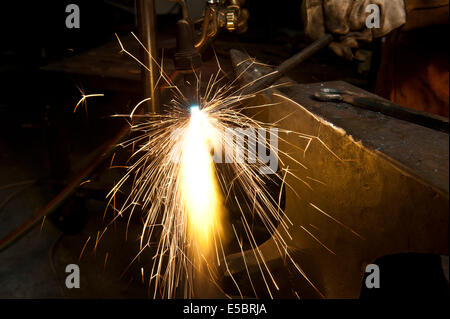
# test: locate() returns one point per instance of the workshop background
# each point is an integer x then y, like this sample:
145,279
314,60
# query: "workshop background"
48,152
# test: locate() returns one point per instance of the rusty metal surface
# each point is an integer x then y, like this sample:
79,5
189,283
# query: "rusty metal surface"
376,186
422,151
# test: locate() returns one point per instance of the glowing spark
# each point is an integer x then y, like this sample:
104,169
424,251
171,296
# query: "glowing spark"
198,186
42,224
315,238
85,182
106,260
83,99
84,247
337,221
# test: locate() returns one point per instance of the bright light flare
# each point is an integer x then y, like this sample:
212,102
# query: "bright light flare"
182,198
200,192
195,109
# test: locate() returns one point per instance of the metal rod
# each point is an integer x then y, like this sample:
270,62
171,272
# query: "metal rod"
147,31
385,107
290,63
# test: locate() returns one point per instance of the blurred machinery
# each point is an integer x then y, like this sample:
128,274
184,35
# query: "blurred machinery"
218,14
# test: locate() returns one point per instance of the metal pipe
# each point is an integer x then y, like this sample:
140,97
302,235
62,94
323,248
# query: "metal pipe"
187,60
184,10
147,31
289,64
205,27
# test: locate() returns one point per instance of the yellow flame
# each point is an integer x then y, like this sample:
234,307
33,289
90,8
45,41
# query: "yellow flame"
200,192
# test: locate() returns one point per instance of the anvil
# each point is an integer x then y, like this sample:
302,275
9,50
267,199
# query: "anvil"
379,187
